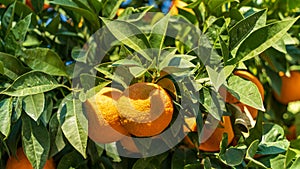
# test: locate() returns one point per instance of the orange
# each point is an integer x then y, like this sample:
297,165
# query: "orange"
290,88
129,144
22,162
120,11
292,135
145,109
179,4
213,142
231,99
29,4
103,117
168,85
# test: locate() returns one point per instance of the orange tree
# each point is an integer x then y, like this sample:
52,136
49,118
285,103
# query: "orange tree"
54,58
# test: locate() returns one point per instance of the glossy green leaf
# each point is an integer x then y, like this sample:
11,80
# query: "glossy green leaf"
36,142
1,68
233,156
251,151
273,140
158,33
13,67
261,39
56,136
130,35
257,131
18,109
73,123
251,96
34,105
244,27
150,162
32,83
53,26
88,15
14,39
44,60
48,109
5,116
8,17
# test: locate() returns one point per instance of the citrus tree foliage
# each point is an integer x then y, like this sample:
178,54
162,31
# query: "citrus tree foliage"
48,69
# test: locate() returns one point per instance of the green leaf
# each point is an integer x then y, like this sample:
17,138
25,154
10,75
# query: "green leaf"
110,8
53,26
13,67
215,4
182,157
36,142
32,83
8,17
56,136
135,68
217,78
130,35
37,5
5,116
150,162
158,33
48,108
244,27
16,36
257,131
73,123
247,92
261,39
44,60
71,160
296,164
233,156
251,151
273,140
34,105
89,16
1,68
212,103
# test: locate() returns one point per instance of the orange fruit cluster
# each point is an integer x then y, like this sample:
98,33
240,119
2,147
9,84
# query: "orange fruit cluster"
289,88
22,162
143,110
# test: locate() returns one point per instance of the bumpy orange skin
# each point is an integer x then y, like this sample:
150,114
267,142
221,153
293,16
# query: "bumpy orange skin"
145,109
103,117
212,144
21,162
290,88
231,99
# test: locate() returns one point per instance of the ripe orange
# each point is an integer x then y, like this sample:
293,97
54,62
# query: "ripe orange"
120,11
103,117
292,135
289,88
179,4
145,109
213,142
29,4
21,162
231,99
129,144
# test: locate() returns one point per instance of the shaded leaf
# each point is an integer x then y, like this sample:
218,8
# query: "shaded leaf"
13,67
36,142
